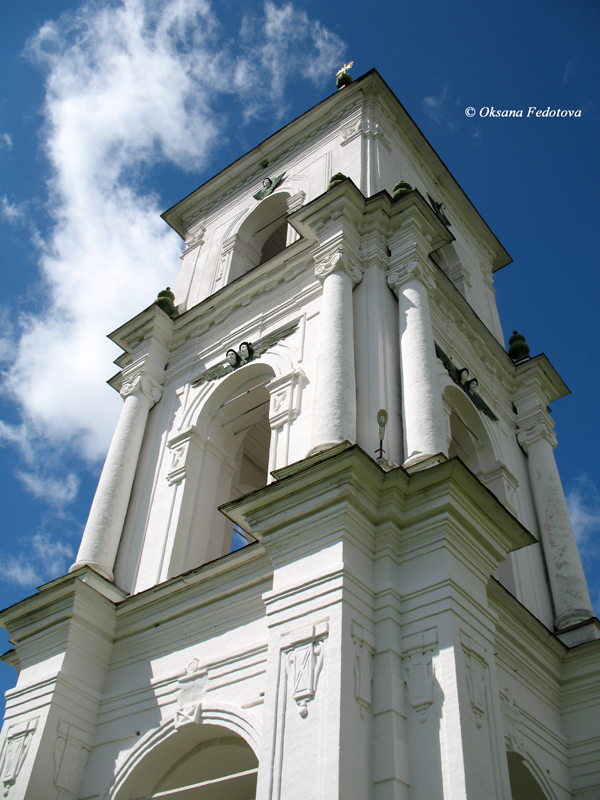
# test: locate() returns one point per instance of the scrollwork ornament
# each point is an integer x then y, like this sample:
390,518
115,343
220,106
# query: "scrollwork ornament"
533,433
338,263
151,390
411,270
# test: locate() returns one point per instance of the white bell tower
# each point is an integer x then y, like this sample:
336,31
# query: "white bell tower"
267,605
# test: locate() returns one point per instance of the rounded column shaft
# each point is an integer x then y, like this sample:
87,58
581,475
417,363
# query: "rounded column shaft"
422,400
422,407
103,530
334,409
565,573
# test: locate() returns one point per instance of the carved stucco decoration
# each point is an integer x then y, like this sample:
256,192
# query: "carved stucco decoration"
338,262
71,750
419,672
511,716
477,672
304,651
193,690
17,743
364,647
143,384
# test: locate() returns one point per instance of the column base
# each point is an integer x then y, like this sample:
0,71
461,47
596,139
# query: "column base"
576,627
92,565
423,461
321,448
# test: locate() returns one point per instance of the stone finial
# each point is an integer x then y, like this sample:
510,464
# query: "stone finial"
165,301
335,179
342,77
518,349
400,189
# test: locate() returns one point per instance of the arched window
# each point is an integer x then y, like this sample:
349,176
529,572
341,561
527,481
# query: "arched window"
523,785
198,761
230,457
263,235
447,259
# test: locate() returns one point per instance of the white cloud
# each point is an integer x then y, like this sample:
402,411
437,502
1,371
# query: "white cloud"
56,492
12,212
129,84
282,45
568,69
441,108
583,500
43,560
18,570
6,140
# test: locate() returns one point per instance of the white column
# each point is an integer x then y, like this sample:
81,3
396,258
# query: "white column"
422,408
105,523
565,573
334,409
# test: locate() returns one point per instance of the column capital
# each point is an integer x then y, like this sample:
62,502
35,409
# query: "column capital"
413,268
532,431
143,384
338,262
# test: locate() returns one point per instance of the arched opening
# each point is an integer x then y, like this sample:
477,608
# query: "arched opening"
448,261
231,458
198,762
469,439
523,785
264,234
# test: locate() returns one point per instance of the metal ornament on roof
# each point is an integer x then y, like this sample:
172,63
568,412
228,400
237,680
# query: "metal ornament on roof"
439,209
461,379
268,186
248,351
343,77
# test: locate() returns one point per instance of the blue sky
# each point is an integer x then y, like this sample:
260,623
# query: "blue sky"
111,112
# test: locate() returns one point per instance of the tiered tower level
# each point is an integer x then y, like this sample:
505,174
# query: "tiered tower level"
412,626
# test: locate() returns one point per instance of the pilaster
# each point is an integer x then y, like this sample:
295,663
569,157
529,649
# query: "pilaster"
380,574
63,638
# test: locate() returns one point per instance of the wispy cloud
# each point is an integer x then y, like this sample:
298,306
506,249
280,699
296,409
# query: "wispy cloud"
5,140
273,42
569,69
129,85
441,108
54,491
583,500
43,559
12,212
